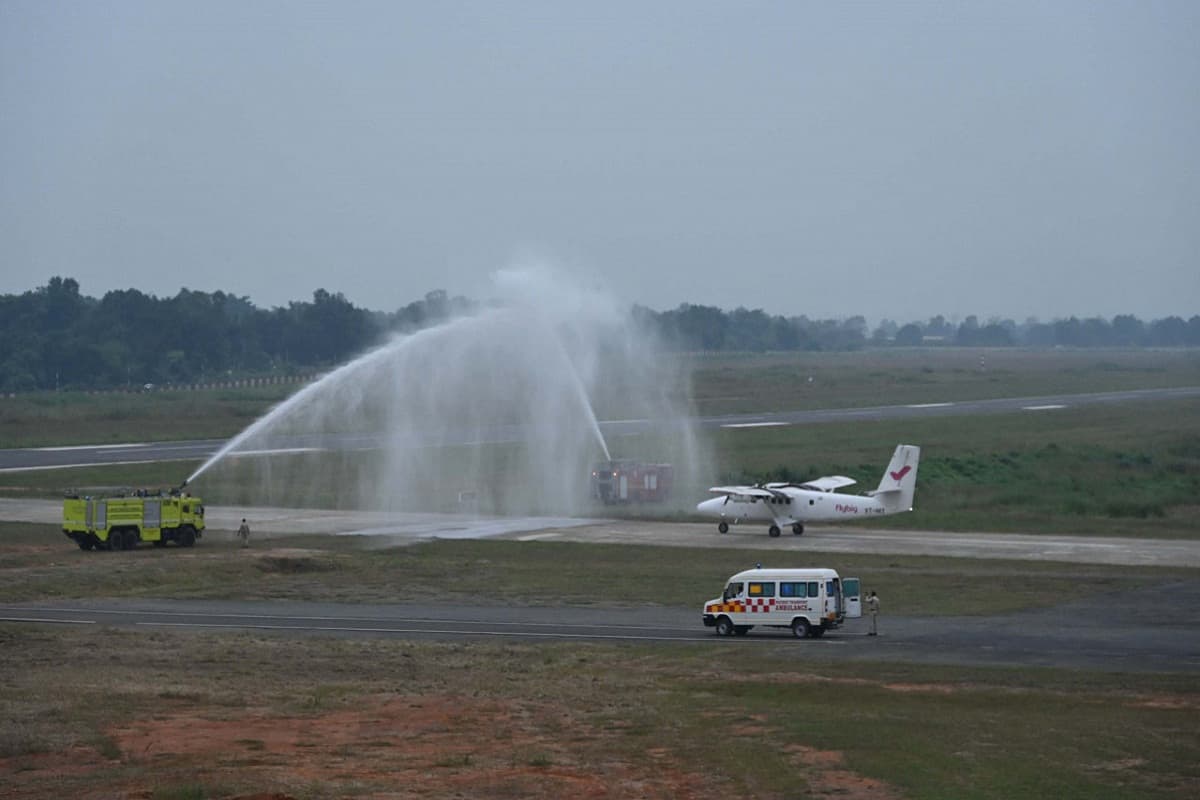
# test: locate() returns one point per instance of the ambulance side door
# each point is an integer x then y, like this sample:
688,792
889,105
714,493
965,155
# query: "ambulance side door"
852,597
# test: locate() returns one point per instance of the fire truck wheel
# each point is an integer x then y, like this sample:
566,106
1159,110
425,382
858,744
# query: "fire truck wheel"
800,628
723,527
131,540
798,529
116,541
773,531
84,543
187,536
725,627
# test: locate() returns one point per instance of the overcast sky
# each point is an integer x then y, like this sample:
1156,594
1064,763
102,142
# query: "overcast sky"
888,159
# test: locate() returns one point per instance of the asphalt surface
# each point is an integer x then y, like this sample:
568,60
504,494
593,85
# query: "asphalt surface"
1151,630
1156,629
392,529
149,452
1126,632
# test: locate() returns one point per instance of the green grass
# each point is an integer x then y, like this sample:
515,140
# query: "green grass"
740,724
740,383
45,419
37,561
1131,469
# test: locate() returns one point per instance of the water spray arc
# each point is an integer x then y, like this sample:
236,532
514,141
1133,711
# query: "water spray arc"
497,406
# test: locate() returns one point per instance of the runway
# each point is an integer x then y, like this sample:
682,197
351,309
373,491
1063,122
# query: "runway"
16,460
1124,633
388,529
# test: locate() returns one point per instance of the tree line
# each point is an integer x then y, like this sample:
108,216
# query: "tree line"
54,337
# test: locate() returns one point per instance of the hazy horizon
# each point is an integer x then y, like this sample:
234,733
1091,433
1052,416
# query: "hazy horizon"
898,161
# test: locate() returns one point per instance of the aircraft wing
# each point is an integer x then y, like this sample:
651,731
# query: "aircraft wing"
743,491
828,483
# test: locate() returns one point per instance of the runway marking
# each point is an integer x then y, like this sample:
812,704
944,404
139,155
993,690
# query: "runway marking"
929,405
91,447
1042,408
534,537
47,619
510,634
754,424
97,464
431,620
278,451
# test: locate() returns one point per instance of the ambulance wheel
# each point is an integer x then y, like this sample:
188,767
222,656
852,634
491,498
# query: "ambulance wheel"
725,627
798,529
800,628
773,531
723,527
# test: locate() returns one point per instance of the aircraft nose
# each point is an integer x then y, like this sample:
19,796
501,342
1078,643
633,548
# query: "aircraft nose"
712,506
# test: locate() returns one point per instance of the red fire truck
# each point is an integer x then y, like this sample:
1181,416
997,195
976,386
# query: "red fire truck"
627,481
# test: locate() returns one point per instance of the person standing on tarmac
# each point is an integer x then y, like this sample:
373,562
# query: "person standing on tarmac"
873,607
244,533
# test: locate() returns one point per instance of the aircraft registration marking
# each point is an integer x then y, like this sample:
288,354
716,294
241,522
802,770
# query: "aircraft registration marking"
754,424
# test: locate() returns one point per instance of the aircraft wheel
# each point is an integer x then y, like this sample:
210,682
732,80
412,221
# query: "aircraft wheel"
800,628
798,529
725,627
773,531
723,527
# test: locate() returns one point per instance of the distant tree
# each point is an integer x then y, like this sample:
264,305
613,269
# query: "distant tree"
1168,332
1127,330
909,336
884,332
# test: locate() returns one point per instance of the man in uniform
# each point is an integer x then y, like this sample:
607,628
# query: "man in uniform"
873,607
244,533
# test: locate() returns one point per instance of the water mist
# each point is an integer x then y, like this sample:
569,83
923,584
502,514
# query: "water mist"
498,407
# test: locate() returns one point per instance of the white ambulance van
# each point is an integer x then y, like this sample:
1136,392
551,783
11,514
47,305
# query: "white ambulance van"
809,601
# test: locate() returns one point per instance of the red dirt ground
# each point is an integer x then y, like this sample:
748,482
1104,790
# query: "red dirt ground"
397,747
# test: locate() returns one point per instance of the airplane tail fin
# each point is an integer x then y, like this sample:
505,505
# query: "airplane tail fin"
899,481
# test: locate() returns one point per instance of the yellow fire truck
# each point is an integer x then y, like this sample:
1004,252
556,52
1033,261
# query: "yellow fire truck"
121,521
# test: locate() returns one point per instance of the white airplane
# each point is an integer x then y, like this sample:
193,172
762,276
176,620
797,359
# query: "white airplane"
794,504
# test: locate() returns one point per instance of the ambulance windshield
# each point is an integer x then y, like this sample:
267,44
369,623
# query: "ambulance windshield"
733,590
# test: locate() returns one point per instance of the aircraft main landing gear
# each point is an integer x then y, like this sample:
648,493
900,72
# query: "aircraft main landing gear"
723,527
773,531
798,529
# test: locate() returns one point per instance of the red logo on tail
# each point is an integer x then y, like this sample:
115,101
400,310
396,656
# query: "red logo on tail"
896,476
